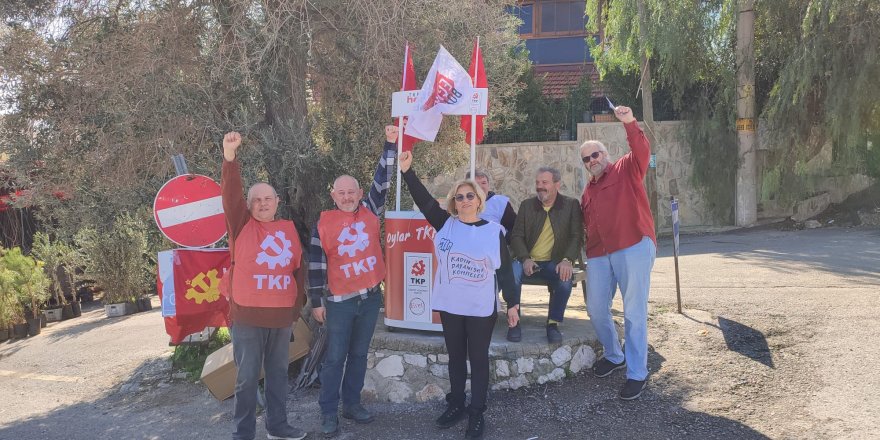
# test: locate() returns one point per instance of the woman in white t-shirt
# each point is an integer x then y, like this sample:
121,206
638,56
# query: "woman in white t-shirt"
472,257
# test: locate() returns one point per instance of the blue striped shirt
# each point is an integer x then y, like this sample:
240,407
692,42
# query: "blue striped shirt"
375,202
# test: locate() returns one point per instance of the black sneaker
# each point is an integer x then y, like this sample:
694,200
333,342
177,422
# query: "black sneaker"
330,425
290,433
604,367
554,336
357,413
452,415
632,389
476,424
514,334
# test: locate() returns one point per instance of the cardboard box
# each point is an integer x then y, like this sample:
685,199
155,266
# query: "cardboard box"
219,371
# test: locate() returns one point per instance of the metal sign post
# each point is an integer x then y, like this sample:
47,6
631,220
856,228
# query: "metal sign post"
675,249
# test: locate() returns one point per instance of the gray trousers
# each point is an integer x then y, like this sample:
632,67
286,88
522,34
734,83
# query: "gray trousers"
256,348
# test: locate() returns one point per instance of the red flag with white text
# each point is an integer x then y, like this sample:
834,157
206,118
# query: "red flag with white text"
408,82
478,71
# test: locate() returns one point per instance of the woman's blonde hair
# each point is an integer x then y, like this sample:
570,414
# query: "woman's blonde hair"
450,198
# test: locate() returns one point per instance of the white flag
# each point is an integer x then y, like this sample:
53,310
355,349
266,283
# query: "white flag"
446,90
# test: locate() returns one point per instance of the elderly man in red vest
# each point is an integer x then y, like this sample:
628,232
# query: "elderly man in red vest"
263,284
345,269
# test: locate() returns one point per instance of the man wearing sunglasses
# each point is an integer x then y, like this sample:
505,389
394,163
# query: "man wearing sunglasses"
621,248
345,269
545,239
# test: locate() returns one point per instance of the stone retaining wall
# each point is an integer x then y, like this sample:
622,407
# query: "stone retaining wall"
414,369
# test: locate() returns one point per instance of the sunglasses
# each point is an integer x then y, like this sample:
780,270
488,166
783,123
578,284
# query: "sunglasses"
595,155
461,197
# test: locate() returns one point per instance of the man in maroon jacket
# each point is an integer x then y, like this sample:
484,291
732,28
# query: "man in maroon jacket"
264,287
621,248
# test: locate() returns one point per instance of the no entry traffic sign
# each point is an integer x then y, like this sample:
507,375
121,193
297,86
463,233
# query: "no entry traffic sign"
189,211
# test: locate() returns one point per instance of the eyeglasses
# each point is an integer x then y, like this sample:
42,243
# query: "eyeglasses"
461,197
595,155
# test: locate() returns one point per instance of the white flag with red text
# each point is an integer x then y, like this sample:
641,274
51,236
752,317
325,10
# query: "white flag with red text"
446,90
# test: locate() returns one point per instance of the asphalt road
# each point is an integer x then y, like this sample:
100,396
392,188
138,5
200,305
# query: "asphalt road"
778,340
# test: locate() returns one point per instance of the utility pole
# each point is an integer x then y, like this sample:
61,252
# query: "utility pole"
648,109
746,173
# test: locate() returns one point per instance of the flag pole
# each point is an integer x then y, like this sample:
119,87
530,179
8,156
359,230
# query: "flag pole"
474,116
400,130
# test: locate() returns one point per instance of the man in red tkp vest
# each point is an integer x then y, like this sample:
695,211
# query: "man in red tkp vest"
345,269
263,285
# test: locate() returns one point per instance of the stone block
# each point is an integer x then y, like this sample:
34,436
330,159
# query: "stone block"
561,355
583,357
502,368
430,392
392,366
443,358
518,382
440,371
398,392
525,365
416,359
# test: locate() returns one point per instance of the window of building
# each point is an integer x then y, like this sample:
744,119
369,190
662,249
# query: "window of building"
550,18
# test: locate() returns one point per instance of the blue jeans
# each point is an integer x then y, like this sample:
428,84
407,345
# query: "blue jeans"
256,348
630,269
350,325
559,290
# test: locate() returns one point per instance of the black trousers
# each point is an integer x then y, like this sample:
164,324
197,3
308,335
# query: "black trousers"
468,337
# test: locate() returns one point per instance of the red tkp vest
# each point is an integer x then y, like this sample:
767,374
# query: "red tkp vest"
265,256
354,254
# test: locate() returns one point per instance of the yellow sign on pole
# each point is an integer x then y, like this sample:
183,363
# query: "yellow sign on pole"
745,124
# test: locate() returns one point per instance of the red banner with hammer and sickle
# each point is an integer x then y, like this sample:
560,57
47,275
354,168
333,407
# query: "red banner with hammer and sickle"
197,300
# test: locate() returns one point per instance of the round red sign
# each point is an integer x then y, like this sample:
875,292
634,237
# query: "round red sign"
189,211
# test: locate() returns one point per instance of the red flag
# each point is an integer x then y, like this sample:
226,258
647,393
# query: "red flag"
476,70
194,284
408,83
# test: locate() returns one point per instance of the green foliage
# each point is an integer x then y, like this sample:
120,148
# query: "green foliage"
191,358
117,258
11,309
24,279
537,117
96,107
60,262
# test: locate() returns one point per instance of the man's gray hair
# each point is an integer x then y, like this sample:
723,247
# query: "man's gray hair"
557,176
251,191
478,173
593,143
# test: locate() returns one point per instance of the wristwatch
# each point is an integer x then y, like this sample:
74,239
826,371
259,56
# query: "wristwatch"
566,260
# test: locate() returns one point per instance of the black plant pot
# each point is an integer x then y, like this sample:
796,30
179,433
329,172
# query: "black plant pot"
34,326
4,334
144,304
19,331
66,311
76,307
43,321
131,308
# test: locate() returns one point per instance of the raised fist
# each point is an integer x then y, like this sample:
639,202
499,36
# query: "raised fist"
231,142
624,114
405,161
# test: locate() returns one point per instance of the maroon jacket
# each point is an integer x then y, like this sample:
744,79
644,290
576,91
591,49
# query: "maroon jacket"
237,215
615,206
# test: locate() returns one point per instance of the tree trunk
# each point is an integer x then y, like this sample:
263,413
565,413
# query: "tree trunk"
648,109
746,124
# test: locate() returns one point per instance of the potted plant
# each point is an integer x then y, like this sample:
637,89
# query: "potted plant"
115,258
9,306
27,279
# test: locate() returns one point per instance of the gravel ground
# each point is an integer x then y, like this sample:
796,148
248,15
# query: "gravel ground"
778,340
